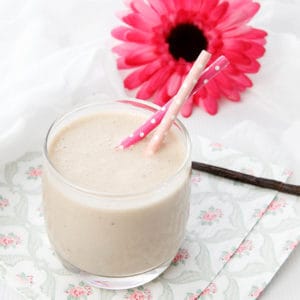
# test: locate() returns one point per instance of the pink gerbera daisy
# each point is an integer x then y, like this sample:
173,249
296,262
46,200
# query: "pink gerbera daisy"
162,39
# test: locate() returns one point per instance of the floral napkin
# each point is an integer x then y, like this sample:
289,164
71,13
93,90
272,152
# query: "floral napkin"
237,237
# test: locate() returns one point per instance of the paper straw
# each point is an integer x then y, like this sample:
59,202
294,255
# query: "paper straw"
209,73
184,91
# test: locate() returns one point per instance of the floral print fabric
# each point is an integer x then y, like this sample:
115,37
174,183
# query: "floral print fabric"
237,236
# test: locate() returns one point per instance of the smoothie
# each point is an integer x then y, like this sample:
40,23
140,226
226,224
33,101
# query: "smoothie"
113,212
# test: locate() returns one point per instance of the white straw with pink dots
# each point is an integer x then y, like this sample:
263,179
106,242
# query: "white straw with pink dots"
184,91
210,72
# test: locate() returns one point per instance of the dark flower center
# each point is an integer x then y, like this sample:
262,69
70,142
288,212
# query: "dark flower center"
186,41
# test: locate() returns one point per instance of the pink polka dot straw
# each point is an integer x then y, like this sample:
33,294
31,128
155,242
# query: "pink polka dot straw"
210,72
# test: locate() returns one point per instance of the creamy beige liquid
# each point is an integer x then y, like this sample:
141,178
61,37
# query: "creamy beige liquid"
115,235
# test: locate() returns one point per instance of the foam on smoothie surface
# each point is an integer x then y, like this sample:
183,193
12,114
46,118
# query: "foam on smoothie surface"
84,152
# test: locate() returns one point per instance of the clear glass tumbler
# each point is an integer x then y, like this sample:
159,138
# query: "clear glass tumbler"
115,241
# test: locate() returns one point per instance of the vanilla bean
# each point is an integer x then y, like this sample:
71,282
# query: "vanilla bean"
249,179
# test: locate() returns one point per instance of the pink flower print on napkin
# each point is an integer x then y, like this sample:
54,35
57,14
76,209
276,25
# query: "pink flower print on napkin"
256,291
291,245
226,255
245,248
78,292
258,213
140,293
181,256
210,290
274,207
191,296
9,240
25,278
34,172
3,202
210,216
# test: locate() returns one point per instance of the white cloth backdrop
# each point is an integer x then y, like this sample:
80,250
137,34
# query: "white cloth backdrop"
56,54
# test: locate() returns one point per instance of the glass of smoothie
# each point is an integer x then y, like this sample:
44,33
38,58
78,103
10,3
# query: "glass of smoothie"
115,216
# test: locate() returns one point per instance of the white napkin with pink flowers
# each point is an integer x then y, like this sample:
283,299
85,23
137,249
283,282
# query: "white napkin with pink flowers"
237,235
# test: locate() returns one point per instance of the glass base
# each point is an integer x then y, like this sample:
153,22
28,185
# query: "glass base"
118,283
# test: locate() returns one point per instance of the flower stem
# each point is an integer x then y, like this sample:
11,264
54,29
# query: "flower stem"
249,179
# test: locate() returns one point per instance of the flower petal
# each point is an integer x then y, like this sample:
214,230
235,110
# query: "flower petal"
155,82
224,82
161,96
218,13
187,107
253,67
208,6
140,57
202,93
139,76
256,50
123,49
237,57
245,32
145,91
158,6
147,11
179,4
130,35
120,32
238,77
250,48
121,64
255,35
210,104
136,54
170,6
137,21
213,89
227,87
173,84
242,4
138,36
187,4
239,14
233,95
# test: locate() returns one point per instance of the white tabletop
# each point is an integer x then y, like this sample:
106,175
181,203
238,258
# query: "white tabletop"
55,53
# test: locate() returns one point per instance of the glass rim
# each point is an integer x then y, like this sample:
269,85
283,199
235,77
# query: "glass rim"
127,100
